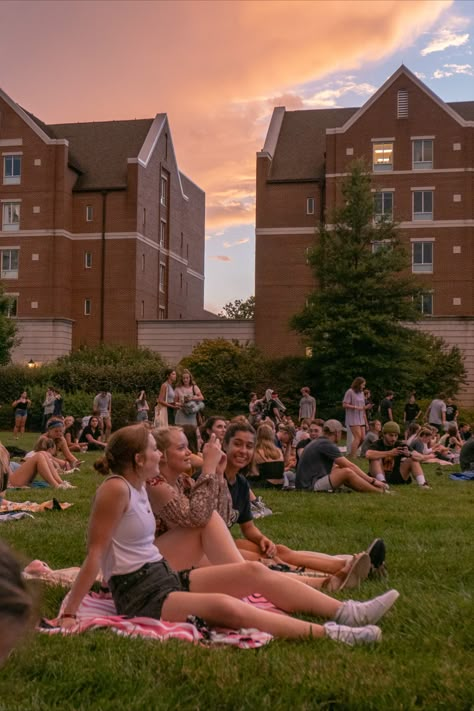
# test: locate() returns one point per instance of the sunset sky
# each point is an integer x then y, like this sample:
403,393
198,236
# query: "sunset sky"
218,69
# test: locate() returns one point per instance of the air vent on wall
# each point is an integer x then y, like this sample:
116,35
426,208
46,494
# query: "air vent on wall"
402,104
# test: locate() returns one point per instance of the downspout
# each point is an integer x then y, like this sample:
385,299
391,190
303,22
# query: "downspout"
102,267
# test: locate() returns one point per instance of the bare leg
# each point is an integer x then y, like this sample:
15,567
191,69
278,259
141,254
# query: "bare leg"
218,609
357,432
185,547
341,475
62,445
314,561
37,464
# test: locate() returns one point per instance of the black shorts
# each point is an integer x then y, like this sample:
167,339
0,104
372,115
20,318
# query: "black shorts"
143,592
394,477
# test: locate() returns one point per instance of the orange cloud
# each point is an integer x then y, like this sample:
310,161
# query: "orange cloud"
220,258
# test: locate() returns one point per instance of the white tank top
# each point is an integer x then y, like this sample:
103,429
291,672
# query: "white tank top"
132,544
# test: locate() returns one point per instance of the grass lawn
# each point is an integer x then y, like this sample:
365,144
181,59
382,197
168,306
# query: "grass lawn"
425,660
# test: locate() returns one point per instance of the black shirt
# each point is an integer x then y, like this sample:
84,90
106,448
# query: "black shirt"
451,411
466,458
240,494
411,411
390,463
385,406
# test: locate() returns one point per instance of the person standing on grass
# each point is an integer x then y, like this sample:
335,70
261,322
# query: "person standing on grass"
21,406
307,405
386,407
451,411
102,407
48,407
322,467
121,544
436,413
392,461
356,418
411,413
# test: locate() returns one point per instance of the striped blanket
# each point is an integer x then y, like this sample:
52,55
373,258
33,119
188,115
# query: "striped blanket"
98,611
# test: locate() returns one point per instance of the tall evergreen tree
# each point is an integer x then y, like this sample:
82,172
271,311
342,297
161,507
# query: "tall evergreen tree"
355,320
7,329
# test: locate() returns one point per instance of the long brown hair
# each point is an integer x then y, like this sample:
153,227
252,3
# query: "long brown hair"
265,447
122,448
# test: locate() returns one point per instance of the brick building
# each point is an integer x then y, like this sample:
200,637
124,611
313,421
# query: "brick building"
99,230
421,150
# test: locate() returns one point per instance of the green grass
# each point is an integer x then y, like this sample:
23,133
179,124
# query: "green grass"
424,662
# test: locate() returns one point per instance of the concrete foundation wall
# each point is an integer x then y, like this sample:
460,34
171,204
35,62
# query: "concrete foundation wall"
42,339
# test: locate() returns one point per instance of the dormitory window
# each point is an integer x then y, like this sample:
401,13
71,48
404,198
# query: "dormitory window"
161,313
87,307
422,257
9,263
162,233
422,154
164,190
88,260
427,304
310,206
377,245
162,277
89,213
12,305
422,204
11,216
383,206
382,156
12,169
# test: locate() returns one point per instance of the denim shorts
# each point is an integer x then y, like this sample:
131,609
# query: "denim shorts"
143,592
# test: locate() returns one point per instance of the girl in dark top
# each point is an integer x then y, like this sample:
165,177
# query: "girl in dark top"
21,406
92,435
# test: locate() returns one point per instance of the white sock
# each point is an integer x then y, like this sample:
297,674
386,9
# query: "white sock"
420,479
380,477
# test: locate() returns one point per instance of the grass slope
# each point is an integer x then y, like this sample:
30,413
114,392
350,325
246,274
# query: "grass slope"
424,661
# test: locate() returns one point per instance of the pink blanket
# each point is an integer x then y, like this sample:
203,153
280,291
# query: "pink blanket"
98,611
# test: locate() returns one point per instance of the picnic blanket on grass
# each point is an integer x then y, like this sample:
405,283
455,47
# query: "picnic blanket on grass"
462,476
13,515
97,611
34,507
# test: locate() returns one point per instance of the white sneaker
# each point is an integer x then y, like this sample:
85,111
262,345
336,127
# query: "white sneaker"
356,614
66,485
353,635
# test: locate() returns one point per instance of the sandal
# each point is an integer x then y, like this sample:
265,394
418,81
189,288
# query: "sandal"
352,577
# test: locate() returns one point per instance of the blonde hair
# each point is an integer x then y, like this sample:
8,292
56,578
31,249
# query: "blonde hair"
265,446
162,436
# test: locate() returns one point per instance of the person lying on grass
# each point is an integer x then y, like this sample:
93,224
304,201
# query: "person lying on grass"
16,603
142,583
37,465
190,515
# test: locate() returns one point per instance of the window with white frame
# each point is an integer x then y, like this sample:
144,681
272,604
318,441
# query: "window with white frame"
382,156
310,206
378,245
12,169
383,206
427,304
89,213
88,260
161,313
422,153
162,233
11,216
12,305
162,277
87,307
164,190
422,257
9,263
422,204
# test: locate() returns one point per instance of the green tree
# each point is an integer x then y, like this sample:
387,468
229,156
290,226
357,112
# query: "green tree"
356,319
239,309
8,329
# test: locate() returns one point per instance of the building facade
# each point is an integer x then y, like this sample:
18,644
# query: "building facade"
99,229
421,151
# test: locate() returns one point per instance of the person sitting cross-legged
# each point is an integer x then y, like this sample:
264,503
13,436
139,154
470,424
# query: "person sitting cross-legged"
322,467
392,461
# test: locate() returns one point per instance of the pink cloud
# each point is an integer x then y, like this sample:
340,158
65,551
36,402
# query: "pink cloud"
220,258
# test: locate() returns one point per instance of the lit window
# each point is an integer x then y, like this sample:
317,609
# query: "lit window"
88,260
310,206
164,190
427,304
9,263
162,277
11,216
12,170
422,204
87,307
12,305
89,213
422,253
382,156
422,154
383,206
162,233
